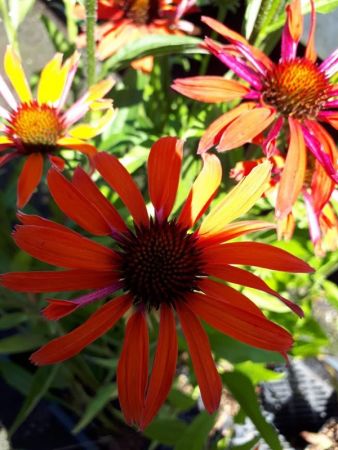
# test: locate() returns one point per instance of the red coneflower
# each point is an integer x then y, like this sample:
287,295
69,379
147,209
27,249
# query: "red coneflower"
295,92
37,128
125,21
164,263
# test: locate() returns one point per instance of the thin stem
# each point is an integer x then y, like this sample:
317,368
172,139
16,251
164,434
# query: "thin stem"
90,34
11,32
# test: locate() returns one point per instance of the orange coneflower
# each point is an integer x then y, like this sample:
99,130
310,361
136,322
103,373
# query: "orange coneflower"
125,21
295,92
35,128
164,263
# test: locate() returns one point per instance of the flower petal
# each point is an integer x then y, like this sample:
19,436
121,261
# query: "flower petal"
132,370
202,191
120,180
77,144
246,127
75,205
86,131
214,132
29,178
206,373
293,174
164,167
240,199
16,75
71,344
164,367
64,248
310,51
210,89
254,254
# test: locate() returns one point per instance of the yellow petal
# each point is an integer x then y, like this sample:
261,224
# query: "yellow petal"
238,201
85,131
16,75
5,140
99,90
99,105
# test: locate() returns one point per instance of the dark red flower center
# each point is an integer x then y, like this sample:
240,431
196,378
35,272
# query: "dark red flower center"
142,11
35,127
160,263
296,88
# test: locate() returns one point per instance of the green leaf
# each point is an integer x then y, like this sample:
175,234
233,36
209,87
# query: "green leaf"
154,45
58,39
257,372
96,404
15,376
196,434
11,320
250,16
242,389
41,382
331,293
165,431
20,343
180,401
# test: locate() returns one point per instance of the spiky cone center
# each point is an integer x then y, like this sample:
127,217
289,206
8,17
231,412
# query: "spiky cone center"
141,12
296,88
160,264
35,127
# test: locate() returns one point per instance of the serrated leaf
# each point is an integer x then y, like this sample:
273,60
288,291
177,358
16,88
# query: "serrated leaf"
196,434
20,343
165,431
96,404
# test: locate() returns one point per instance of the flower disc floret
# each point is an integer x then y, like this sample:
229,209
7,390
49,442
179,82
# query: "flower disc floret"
142,11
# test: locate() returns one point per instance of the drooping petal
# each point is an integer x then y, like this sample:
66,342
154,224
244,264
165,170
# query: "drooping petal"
164,366
77,144
16,75
57,281
29,178
202,191
120,180
75,205
292,177
132,370
164,167
91,192
64,248
7,157
246,127
254,254
330,117
199,348
240,199
214,132
248,279
57,162
71,344
310,51
253,329
210,89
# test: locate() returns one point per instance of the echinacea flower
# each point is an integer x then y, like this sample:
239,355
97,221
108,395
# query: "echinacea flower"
36,128
293,94
162,264
125,21
317,192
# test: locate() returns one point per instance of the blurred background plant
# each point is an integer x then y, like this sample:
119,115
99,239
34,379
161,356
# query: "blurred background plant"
80,395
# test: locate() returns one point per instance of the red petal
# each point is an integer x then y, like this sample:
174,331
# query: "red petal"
75,205
29,178
164,167
71,344
205,370
132,370
164,367
254,254
58,309
120,180
57,162
64,248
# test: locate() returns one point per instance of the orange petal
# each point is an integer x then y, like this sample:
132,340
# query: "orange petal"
120,180
292,177
214,132
57,281
310,51
241,324
246,127
91,192
71,344
164,167
77,144
75,205
206,373
164,367
202,191
295,19
64,248
210,89
254,254
29,178
132,370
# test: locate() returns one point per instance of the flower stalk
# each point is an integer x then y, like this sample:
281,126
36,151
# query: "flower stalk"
91,8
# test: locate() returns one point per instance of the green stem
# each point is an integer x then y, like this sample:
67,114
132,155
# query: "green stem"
71,25
9,28
90,34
